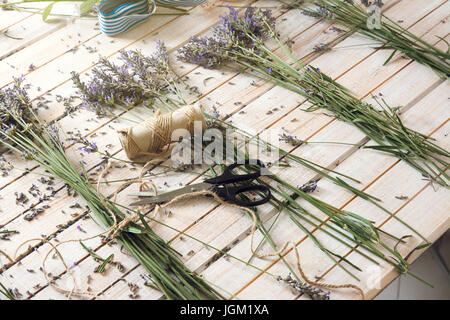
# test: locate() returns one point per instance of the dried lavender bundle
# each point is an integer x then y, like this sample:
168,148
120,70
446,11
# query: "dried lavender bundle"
241,40
138,80
23,133
389,33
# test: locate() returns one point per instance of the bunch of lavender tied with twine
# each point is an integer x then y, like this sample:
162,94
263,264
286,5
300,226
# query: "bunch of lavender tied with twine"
22,132
241,40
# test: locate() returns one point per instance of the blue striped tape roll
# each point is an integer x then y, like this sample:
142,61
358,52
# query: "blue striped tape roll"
117,16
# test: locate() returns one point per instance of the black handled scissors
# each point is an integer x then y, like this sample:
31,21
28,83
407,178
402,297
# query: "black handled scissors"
225,186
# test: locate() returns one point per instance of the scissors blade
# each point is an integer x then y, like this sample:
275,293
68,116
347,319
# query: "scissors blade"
149,193
166,197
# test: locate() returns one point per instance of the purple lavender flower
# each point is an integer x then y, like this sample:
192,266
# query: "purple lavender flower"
7,7
205,51
88,147
320,12
53,132
368,3
231,38
322,47
308,187
292,140
146,67
15,108
308,92
304,288
139,78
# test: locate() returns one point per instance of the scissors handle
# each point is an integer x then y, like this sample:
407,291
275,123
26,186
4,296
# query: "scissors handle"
230,193
229,177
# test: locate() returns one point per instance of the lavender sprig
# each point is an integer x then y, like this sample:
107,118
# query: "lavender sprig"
308,187
292,140
86,146
18,102
302,288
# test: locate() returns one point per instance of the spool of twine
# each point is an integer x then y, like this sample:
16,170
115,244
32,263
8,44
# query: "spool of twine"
148,138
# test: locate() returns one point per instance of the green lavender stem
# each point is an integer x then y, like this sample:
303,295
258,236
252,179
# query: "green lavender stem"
390,34
4,291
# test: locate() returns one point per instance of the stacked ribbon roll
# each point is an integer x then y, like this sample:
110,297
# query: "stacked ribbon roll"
117,16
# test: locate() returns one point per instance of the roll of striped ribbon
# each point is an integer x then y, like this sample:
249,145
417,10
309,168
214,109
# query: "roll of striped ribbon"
117,16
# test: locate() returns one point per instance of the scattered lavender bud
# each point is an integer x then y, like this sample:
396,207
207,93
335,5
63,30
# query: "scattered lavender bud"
292,140
308,187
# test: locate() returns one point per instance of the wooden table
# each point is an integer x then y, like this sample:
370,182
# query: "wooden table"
46,53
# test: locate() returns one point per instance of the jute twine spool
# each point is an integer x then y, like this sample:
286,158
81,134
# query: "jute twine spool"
148,138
